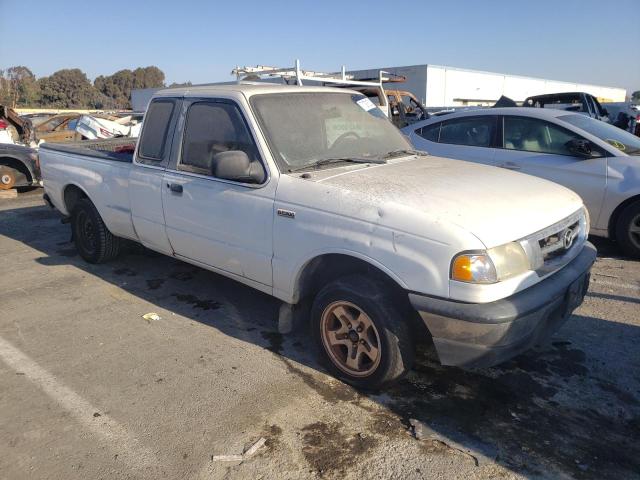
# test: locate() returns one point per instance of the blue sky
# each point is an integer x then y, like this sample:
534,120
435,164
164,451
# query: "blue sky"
587,41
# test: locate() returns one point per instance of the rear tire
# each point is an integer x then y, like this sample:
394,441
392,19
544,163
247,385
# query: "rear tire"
361,333
7,177
93,240
628,230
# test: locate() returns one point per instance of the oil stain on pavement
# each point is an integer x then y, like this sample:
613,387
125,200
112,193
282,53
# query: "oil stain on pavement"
526,412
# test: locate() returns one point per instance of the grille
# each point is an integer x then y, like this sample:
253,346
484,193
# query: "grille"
552,248
558,243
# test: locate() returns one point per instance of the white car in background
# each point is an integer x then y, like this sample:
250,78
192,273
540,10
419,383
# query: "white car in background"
598,161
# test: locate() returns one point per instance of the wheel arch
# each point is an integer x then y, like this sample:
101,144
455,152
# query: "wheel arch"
17,164
327,267
613,219
71,193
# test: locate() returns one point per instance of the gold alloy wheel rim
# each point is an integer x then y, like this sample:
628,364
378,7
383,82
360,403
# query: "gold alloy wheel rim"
350,339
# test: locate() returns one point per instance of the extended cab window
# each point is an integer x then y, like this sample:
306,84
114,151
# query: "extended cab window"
430,132
472,131
211,129
536,135
154,134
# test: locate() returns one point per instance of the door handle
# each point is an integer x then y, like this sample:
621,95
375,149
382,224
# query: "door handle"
174,187
510,166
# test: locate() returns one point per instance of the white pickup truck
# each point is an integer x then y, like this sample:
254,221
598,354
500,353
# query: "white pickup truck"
311,195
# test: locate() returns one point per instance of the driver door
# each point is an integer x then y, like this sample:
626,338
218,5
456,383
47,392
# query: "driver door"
221,224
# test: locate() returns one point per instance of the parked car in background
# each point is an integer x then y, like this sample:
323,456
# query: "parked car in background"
18,166
15,129
580,102
624,115
598,161
404,107
59,128
311,195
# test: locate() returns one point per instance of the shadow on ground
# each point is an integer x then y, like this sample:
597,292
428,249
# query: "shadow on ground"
544,413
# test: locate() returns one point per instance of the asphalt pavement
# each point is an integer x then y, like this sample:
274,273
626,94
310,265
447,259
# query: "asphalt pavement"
91,389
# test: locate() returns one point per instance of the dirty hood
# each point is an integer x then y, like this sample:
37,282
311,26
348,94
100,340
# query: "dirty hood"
495,205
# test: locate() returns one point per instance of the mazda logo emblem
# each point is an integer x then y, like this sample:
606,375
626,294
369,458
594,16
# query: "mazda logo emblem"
567,239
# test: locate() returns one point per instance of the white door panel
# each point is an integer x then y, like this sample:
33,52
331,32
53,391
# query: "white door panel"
586,177
224,225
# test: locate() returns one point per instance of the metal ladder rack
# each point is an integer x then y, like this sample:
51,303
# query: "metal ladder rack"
298,75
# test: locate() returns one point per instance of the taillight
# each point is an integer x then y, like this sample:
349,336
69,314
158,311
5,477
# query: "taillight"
3,125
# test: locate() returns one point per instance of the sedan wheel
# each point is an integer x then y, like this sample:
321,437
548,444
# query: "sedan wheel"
628,230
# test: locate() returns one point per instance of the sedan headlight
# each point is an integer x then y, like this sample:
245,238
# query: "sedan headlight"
490,266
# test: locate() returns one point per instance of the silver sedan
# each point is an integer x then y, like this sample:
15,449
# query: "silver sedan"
596,160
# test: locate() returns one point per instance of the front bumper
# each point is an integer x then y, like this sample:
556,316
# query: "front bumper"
485,334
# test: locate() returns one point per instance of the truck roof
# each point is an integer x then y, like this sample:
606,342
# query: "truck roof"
244,88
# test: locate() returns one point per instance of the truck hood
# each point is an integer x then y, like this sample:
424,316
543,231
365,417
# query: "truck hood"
495,205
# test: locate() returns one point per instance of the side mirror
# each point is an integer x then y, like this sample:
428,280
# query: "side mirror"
579,147
235,165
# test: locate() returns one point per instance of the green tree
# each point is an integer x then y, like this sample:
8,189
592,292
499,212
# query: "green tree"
69,88
635,96
119,85
18,87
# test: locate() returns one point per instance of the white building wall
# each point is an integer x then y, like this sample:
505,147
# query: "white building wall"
440,86
456,87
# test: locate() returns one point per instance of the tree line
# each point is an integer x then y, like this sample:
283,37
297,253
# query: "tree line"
70,88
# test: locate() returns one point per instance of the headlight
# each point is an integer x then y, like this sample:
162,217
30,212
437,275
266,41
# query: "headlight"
490,266
510,260
473,268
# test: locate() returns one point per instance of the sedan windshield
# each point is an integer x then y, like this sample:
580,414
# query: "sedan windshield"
623,141
315,129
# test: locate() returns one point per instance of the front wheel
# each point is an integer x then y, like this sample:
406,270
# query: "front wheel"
361,332
628,230
94,242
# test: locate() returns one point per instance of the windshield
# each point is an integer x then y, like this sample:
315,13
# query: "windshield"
623,141
305,128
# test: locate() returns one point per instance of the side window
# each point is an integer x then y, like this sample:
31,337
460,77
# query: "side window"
472,131
599,109
535,135
211,129
430,132
154,133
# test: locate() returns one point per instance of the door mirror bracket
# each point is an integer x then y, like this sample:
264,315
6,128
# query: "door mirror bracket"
580,147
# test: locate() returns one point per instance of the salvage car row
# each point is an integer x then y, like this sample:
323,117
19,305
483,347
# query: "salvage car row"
20,137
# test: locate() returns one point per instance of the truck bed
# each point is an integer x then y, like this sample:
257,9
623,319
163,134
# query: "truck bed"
115,149
100,168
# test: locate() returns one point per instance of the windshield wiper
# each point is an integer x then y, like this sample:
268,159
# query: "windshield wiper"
329,161
405,152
